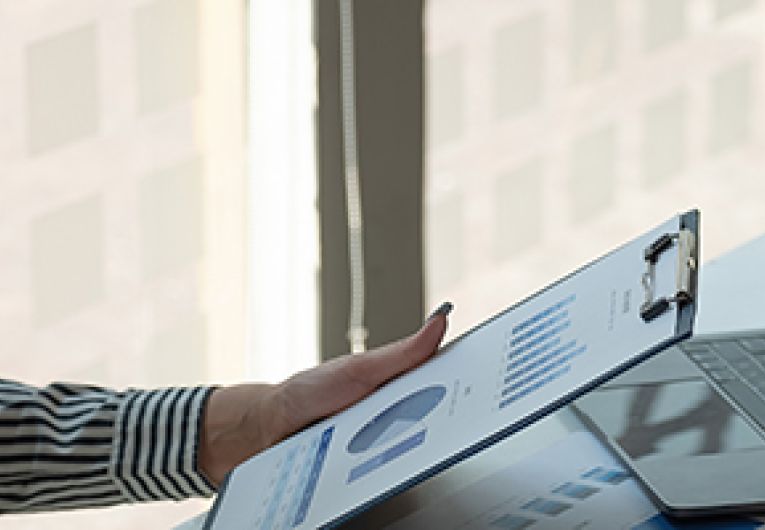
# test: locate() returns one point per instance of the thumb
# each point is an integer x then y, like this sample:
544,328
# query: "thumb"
425,342
338,383
396,358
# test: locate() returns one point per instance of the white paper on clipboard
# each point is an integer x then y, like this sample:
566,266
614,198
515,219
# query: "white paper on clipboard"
494,380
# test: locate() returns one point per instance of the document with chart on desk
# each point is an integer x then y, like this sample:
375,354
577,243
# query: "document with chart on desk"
492,381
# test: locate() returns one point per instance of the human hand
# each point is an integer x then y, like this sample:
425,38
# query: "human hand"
242,420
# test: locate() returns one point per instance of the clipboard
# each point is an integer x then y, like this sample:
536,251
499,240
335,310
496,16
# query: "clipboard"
494,380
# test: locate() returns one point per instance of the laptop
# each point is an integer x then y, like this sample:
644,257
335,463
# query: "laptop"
690,424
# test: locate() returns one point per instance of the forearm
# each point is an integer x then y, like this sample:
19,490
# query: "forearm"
73,446
238,422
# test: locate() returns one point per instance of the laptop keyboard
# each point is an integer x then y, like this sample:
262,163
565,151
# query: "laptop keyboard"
737,365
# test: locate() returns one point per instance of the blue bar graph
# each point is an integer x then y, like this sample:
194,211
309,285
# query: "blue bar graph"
606,476
540,351
517,362
518,368
558,317
536,386
543,314
536,341
542,361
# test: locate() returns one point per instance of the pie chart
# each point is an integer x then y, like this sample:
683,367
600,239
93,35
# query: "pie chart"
397,419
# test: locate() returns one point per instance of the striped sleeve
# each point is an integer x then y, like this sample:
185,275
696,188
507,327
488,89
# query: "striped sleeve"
69,446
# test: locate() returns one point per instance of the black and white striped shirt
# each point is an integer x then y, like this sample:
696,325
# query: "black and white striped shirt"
69,446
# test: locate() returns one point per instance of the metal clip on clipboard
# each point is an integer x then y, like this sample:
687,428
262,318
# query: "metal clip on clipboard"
685,289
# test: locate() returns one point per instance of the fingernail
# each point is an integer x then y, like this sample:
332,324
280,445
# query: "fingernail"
443,309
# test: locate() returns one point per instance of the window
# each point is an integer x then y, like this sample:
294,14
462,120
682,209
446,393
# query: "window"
576,132
123,224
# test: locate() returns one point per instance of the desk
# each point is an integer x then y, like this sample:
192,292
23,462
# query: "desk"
727,303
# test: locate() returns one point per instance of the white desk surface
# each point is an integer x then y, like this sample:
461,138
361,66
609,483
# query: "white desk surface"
730,288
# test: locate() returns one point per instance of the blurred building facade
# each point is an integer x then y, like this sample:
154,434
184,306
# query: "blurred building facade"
122,195
557,130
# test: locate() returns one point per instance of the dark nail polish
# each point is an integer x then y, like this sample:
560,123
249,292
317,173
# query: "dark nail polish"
443,309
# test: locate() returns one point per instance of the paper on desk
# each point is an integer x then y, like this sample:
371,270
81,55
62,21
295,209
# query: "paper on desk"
574,484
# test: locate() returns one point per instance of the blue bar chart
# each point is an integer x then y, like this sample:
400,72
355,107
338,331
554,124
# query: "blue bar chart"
539,351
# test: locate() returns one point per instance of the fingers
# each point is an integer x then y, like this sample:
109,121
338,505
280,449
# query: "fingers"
380,365
337,384
444,309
